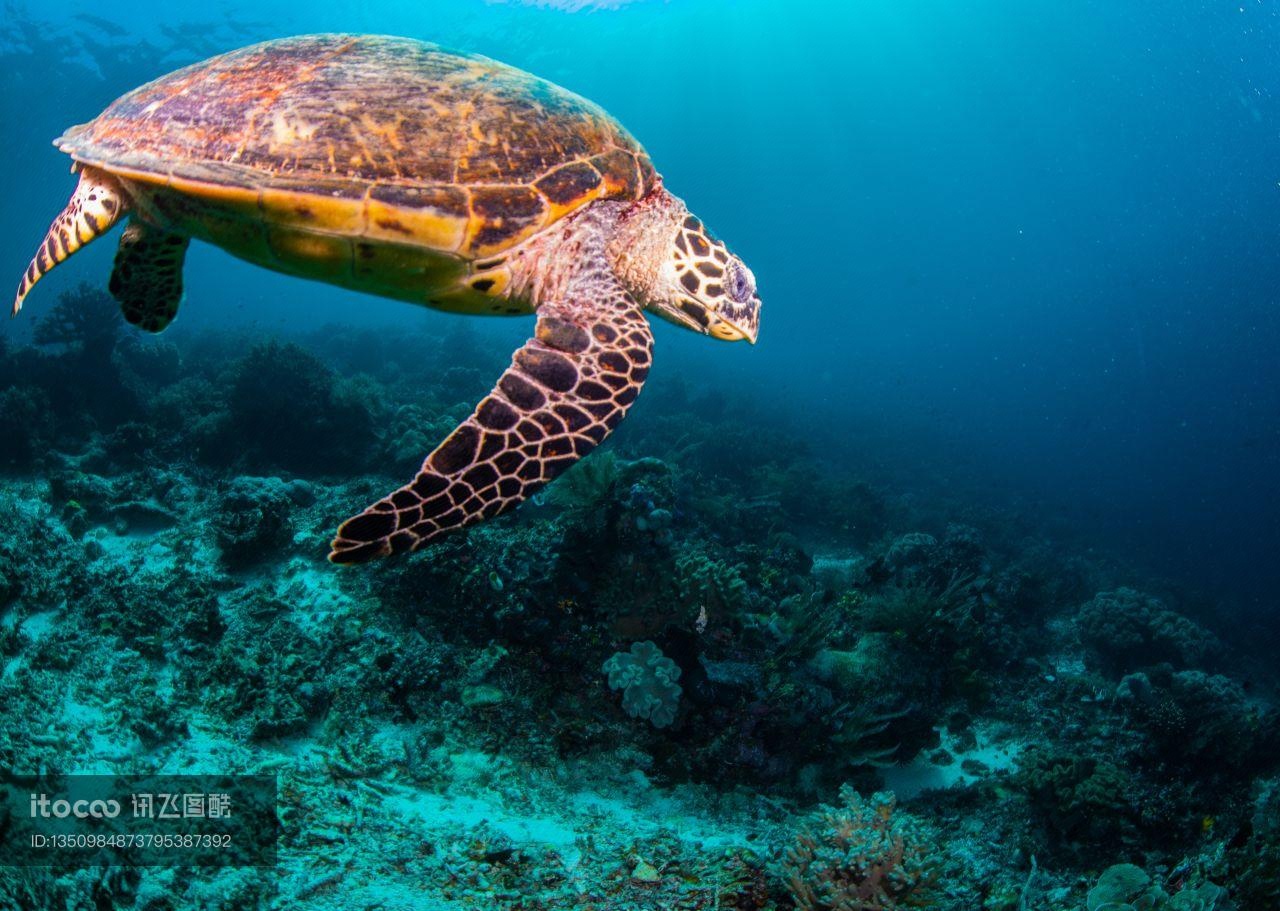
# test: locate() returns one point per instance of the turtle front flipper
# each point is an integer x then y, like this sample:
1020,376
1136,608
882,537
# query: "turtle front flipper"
565,390
94,207
147,278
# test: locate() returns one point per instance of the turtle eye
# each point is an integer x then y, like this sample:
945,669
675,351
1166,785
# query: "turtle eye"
739,283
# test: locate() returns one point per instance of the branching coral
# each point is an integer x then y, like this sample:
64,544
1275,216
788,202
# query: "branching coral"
860,857
84,320
647,679
713,584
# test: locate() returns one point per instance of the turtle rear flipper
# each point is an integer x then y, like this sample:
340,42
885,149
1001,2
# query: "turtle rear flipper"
565,390
147,278
94,208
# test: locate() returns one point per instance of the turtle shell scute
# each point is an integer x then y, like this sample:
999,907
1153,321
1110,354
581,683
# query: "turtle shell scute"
372,123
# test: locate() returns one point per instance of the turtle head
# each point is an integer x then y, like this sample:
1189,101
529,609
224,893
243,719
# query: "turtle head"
681,272
705,287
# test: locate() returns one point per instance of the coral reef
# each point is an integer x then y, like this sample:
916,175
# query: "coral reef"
26,425
634,692
286,409
1254,858
647,679
84,323
863,856
1125,630
1082,802
1126,887
253,519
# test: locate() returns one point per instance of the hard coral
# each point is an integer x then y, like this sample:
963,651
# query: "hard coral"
1124,630
1204,724
710,584
85,321
253,520
1085,802
80,375
289,411
26,425
1256,863
860,857
1222,729
409,433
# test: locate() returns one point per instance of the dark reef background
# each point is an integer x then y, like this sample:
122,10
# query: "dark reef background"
987,520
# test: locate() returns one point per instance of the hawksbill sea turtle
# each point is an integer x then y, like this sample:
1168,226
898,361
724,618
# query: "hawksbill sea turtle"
398,168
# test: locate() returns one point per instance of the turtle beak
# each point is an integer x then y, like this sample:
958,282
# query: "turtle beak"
736,323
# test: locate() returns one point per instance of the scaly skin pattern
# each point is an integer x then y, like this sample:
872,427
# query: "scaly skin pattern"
95,206
565,390
147,277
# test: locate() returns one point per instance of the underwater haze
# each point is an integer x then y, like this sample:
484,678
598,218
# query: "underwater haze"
1027,245
973,551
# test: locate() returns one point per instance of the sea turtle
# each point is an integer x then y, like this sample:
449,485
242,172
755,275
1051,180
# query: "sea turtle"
398,168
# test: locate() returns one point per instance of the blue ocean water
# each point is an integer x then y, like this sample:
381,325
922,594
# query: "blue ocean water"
1018,265
1025,245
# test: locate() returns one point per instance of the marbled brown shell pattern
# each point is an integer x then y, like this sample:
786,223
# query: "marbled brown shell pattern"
393,139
